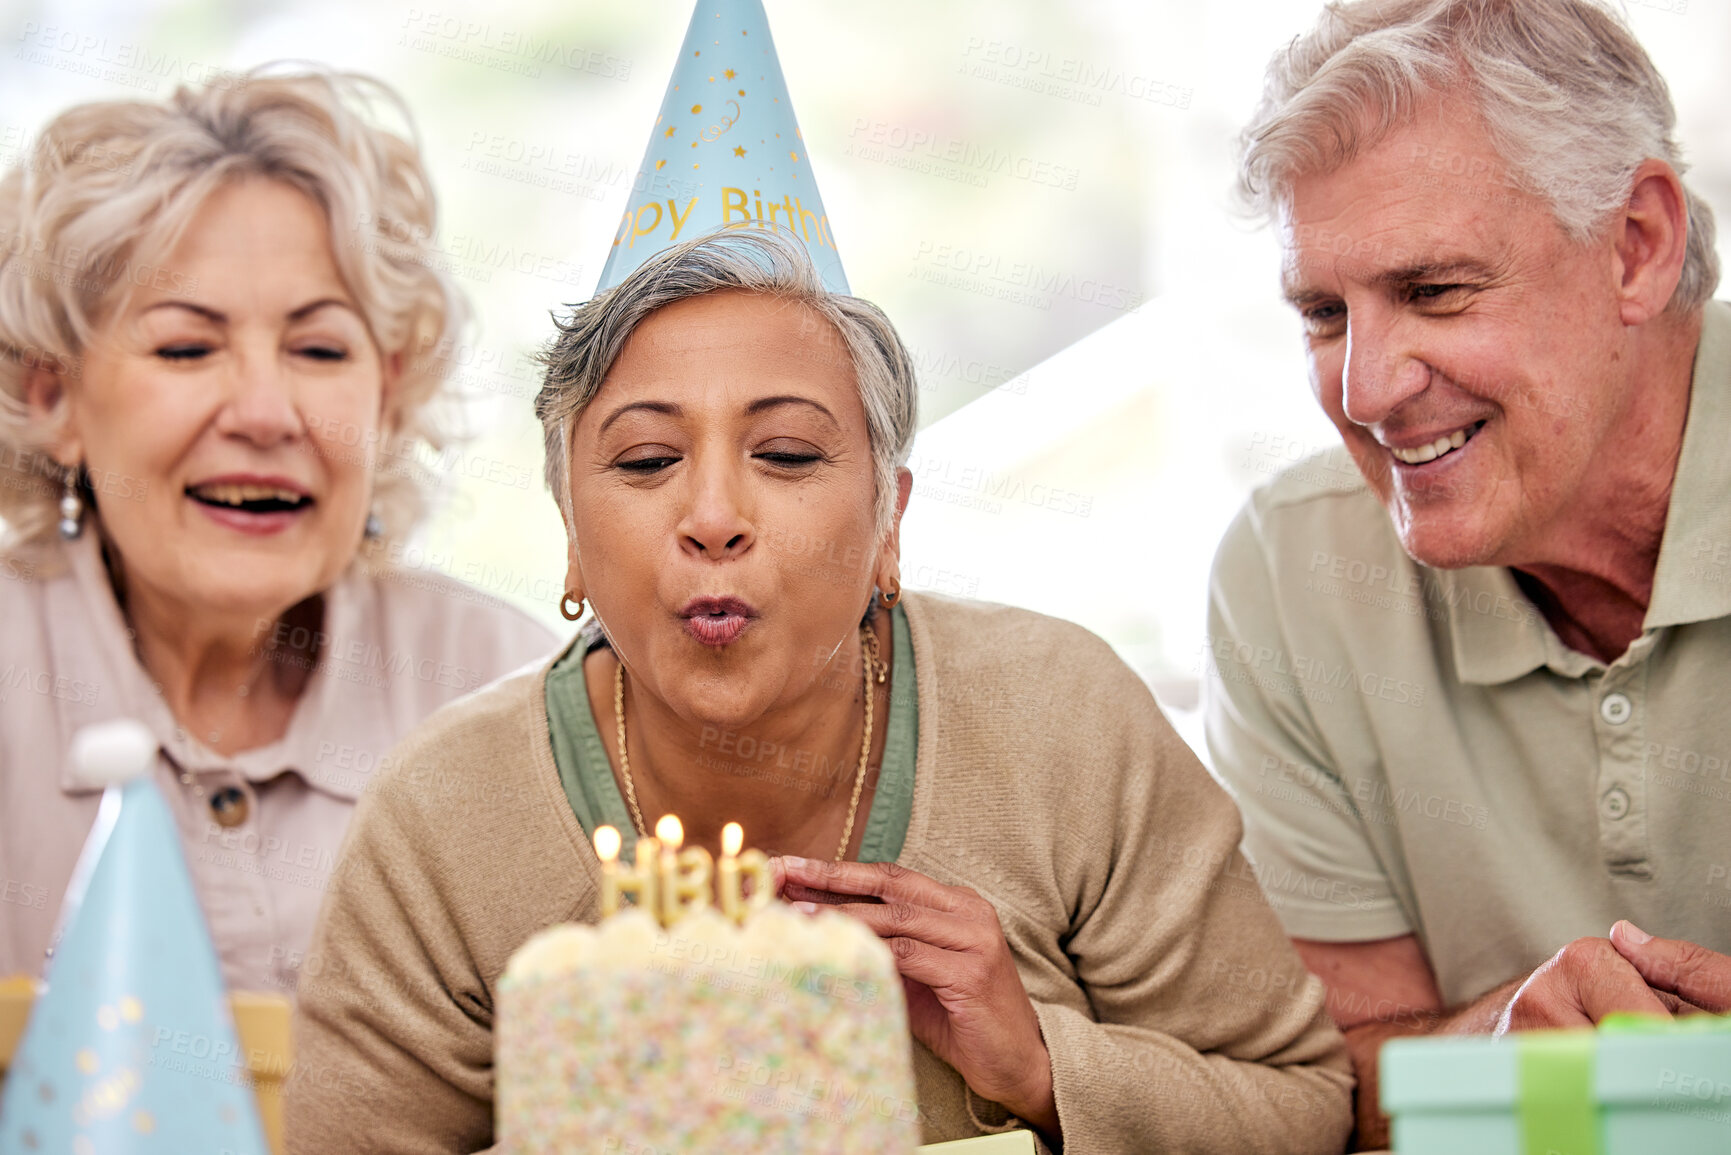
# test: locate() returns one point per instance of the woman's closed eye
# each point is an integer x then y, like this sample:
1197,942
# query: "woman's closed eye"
183,351
646,460
323,351
789,455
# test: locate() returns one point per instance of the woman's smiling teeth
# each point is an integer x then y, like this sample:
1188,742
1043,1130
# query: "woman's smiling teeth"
241,495
1442,446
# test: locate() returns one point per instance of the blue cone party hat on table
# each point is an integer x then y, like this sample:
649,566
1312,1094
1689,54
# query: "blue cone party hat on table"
131,1049
725,152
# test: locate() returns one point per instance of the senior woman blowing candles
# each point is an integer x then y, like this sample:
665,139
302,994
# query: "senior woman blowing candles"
209,377
990,790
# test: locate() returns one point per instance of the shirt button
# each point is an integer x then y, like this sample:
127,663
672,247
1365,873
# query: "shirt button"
229,806
1615,803
1616,709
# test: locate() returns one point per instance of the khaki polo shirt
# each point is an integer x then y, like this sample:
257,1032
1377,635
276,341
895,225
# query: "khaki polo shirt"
397,645
1415,750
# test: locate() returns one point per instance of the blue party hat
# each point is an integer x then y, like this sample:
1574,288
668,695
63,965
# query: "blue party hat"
725,152
131,1049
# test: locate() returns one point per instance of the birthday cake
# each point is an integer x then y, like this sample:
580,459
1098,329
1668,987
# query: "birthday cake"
766,1031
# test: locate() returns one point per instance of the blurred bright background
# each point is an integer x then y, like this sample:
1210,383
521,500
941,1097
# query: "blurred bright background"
1036,192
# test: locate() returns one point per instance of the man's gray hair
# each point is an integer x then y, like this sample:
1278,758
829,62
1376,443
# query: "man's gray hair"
580,357
1571,99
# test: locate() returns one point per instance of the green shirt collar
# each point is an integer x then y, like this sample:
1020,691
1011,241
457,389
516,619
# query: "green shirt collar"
594,795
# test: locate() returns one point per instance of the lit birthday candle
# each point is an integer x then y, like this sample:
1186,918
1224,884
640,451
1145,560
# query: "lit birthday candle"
607,850
670,832
727,871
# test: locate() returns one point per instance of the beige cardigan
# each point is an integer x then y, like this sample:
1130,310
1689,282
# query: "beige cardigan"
1177,1014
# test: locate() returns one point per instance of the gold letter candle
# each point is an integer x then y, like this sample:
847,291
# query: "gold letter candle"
671,834
727,872
607,850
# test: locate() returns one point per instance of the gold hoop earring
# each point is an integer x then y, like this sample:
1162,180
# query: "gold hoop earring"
890,599
568,614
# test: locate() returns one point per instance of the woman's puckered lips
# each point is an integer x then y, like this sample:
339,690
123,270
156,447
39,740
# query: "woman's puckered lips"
716,621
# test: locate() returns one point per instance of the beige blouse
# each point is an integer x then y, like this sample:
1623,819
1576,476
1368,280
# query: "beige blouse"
398,646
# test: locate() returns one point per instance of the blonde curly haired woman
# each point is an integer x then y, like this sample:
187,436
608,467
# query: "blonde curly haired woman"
215,319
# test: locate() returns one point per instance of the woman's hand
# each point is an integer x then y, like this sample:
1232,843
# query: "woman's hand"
965,1000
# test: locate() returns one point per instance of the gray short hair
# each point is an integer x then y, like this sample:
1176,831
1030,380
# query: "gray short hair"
591,339
1572,101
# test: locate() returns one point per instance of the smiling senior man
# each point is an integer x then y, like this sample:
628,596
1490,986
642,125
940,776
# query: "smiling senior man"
1471,696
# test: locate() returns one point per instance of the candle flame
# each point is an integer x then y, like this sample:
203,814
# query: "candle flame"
606,843
732,838
670,830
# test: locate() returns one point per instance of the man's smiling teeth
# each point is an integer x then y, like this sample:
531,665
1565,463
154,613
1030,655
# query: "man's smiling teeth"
1423,453
236,494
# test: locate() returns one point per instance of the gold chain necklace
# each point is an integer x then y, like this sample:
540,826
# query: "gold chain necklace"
872,667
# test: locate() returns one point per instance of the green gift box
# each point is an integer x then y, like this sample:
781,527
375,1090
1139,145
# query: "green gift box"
1634,1086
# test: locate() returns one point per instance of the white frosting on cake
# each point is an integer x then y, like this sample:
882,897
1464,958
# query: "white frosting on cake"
787,1034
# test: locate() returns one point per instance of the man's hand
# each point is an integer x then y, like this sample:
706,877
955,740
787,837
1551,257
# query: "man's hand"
1699,977
1581,984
